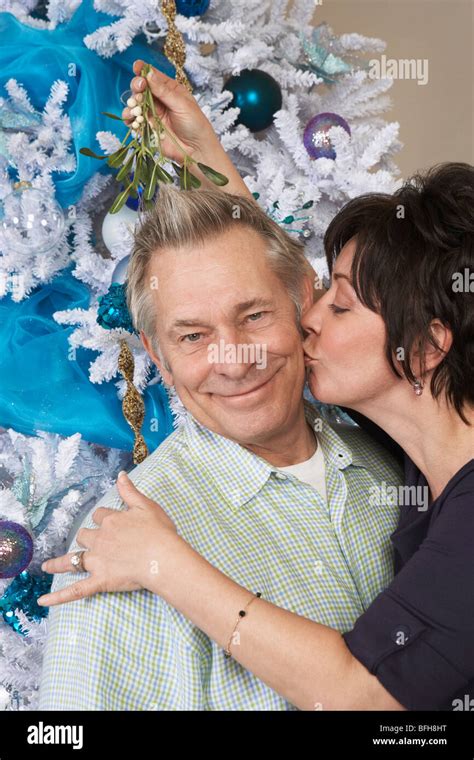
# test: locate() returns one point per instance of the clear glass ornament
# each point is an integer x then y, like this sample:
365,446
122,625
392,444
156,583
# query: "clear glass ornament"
30,221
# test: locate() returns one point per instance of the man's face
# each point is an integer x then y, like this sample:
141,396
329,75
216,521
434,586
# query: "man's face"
227,329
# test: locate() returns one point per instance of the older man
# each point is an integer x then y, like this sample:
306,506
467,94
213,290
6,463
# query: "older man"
254,480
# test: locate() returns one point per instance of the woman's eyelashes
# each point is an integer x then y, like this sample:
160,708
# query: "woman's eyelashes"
337,309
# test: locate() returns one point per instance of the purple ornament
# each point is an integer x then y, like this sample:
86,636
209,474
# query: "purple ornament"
315,138
16,548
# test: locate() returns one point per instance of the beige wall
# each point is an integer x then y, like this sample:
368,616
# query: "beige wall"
436,119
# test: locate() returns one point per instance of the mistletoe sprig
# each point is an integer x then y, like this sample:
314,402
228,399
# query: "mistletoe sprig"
140,160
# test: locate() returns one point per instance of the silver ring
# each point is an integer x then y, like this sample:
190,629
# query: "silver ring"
77,563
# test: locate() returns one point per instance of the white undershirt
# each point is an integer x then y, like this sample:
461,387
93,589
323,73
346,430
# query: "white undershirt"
311,471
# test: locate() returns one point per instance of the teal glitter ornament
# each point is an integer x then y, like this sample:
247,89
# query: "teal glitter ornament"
257,95
16,548
22,594
113,312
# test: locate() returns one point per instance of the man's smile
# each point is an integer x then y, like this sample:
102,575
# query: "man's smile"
254,393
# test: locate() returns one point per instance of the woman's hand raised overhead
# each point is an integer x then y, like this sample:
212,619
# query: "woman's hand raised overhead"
181,115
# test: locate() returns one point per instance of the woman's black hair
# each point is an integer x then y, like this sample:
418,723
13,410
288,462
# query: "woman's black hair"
413,263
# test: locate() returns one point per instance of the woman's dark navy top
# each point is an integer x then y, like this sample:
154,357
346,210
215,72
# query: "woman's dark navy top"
417,636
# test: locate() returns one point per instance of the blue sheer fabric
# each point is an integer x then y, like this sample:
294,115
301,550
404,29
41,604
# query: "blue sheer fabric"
37,58
40,388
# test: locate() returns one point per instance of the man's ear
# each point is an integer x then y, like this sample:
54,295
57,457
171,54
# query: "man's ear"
312,289
165,373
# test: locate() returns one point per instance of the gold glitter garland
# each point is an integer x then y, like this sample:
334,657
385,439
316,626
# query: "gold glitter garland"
133,406
23,185
175,49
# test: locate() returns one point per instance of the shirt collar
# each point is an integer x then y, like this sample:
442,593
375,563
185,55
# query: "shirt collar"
336,451
238,473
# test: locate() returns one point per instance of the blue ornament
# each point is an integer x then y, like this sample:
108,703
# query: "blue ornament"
113,312
23,593
192,7
16,548
315,136
131,202
257,95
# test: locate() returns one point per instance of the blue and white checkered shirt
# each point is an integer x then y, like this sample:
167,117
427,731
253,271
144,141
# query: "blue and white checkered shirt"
269,531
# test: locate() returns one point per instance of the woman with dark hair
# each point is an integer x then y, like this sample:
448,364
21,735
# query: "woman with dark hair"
392,339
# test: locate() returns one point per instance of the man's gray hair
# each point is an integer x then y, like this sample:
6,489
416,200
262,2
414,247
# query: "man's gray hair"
183,218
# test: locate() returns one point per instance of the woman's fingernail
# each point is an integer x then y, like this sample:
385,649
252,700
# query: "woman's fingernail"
150,75
140,83
122,475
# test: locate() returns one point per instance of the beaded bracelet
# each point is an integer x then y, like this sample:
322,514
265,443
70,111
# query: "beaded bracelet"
242,614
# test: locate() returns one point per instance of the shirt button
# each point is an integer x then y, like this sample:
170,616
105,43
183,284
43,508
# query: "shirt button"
280,475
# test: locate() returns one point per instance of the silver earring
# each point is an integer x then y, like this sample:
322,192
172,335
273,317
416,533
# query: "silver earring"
418,388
